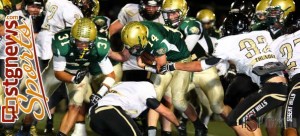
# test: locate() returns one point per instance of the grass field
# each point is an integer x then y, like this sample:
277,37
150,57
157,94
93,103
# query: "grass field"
216,128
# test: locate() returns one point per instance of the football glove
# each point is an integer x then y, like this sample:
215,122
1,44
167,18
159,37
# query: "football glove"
168,67
94,98
80,74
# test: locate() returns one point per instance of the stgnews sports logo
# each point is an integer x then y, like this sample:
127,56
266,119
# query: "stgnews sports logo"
22,71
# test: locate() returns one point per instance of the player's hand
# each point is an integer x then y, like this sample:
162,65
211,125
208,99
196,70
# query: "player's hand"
80,74
230,75
94,98
140,63
168,67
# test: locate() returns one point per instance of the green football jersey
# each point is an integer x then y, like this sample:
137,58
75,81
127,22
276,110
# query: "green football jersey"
165,40
61,46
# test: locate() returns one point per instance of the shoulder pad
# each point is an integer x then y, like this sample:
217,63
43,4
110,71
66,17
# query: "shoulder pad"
61,43
102,45
131,9
191,26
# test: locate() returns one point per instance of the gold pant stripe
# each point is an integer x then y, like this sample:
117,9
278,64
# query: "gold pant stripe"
112,107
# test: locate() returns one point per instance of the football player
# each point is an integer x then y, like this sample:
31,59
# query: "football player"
113,113
208,18
260,16
200,45
146,10
286,49
80,46
276,15
165,44
58,16
251,55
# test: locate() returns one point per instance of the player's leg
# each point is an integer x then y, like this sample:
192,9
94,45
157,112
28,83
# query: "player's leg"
292,111
77,94
179,85
271,96
160,84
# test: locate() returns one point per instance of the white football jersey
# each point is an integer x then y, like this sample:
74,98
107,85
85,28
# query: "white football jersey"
130,96
287,50
129,13
246,51
60,14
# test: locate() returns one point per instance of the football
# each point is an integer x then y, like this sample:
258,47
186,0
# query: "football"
148,58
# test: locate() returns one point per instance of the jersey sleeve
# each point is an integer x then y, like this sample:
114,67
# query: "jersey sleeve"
191,26
127,12
103,47
71,14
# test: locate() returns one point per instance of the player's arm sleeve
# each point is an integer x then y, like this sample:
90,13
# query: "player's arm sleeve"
191,41
106,66
59,63
209,62
122,17
71,14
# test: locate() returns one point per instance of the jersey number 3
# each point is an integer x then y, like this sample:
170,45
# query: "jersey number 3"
251,47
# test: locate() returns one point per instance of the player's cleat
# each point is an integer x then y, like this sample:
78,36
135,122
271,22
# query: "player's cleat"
166,133
182,126
49,132
201,130
33,131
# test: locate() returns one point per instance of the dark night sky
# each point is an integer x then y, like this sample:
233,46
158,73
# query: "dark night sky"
111,8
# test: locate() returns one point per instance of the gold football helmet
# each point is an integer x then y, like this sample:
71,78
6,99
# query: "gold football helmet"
89,8
261,10
134,36
6,6
206,16
84,30
170,7
83,34
262,6
281,8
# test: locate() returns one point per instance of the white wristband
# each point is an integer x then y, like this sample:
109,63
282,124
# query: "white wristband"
204,66
108,82
102,90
